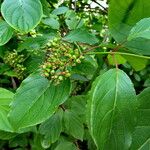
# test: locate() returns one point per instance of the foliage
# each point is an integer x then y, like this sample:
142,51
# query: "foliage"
74,76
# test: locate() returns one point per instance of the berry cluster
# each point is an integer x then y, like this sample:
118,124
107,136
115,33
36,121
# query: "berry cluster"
15,61
60,58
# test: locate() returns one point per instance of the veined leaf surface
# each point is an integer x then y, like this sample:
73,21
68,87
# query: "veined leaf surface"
36,100
112,110
22,15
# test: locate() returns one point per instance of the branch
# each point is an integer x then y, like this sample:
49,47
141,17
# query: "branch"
119,53
104,9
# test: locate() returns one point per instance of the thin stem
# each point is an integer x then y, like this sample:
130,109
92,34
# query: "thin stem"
91,48
119,53
115,61
118,46
14,83
105,10
113,47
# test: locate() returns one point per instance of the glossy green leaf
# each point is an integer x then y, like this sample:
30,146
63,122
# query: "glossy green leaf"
5,99
141,136
52,128
36,100
141,29
123,15
73,124
6,32
112,110
22,15
81,35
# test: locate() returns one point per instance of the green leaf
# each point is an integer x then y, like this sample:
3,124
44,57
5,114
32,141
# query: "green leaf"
147,82
73,124
19,141
46,9
116,59
36,143
22,15
60,10
141,29
112,110
78,104
52,128
4,123
86,68
31,44
52,22
7,135
36,100
33,62
65,145
6,32
137,63
141,136
5,99
81,35
122,17
72,21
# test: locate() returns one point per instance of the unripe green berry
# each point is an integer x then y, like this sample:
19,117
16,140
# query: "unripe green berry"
46,74
60,78
67,75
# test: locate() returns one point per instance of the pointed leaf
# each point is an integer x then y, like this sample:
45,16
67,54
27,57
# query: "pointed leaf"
36,100
112,109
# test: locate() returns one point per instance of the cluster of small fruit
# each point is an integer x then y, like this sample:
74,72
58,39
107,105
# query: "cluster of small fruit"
60,58
15,61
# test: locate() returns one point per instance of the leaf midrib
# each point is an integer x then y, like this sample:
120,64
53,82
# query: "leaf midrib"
144,144
115,101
